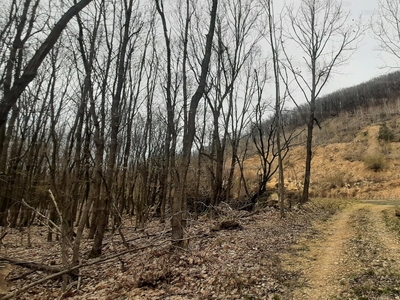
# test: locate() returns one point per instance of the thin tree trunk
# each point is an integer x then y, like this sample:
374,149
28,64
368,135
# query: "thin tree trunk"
307,172
105,206
189,133
275,58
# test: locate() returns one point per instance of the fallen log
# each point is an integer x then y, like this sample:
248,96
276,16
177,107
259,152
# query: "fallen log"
32,265
227,225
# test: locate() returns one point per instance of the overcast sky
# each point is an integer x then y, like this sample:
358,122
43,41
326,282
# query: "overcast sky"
366,63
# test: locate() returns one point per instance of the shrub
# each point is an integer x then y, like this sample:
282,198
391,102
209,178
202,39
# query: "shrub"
375,162
335,180
385,134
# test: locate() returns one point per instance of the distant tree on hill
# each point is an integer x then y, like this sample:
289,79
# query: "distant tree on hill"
377,91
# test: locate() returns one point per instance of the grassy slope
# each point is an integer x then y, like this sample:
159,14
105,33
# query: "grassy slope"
345,151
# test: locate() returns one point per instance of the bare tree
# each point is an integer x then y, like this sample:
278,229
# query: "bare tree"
16,81
241,118
263,135
171,135
128,30
385,26
275,45
324,37
237,44
189,129
90,110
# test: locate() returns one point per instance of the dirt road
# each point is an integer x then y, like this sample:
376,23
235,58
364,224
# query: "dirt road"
355,255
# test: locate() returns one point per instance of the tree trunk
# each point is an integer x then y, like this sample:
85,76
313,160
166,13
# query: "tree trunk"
275,58
189,133
307,172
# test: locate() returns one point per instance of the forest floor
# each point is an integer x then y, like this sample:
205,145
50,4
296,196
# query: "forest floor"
327,249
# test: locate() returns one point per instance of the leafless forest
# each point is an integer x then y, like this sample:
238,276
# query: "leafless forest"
115,109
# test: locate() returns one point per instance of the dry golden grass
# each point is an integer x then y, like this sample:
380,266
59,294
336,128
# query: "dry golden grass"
349,161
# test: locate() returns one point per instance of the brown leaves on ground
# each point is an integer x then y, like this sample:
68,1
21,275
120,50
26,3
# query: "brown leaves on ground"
224,264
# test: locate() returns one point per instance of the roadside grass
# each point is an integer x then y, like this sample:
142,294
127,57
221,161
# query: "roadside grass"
391,220
330,206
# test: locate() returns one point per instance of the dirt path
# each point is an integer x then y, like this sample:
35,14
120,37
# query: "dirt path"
355,254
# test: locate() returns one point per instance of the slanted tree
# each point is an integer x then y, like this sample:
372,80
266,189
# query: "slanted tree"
237,44
16,80
274,42
189,131
18,67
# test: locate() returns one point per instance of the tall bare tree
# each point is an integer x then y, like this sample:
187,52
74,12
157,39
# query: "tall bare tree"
88,49
189,131
236,46
324,37
275,45
126,33
171,135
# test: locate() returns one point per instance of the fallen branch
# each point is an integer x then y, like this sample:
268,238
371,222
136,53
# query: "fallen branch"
31,265
41,215
21,276
69,270
90,263
147,236
3,235
247,215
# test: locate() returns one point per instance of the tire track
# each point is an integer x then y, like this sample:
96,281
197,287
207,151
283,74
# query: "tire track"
376,253
390,243
324,265
355,256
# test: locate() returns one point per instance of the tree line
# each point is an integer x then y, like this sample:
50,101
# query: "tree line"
379,91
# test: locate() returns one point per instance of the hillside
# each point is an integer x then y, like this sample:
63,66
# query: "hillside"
350,161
